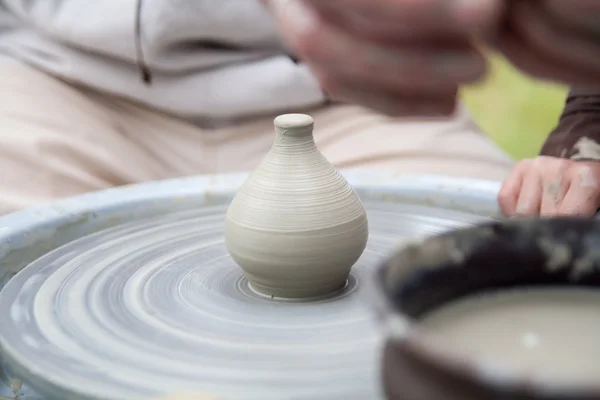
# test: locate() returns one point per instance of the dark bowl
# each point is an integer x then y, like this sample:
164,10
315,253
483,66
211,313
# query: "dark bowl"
423,276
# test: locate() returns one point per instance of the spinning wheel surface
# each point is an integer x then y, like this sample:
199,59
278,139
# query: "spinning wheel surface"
157,306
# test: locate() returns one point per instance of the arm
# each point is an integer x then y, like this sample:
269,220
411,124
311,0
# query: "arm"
577,135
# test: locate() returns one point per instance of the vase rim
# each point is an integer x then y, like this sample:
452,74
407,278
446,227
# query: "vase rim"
293,121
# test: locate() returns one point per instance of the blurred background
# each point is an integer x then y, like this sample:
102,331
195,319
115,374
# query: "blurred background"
517,112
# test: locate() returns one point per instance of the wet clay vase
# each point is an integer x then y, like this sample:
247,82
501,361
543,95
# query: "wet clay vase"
537,286
296,227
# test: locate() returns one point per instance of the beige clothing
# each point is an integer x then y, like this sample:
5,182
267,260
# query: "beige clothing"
58,140
208,59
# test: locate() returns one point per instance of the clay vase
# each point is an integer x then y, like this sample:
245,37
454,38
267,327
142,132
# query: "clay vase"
497,257
296,227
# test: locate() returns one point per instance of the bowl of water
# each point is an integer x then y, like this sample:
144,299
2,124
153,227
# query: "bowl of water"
504,309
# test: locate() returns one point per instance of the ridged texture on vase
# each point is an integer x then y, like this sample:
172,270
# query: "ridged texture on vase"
296,226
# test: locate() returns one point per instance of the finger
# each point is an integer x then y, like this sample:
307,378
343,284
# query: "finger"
330,48
579,15
553,194
511,187
409,79
531,62
396,105
530,197
583,197
449,65
533,24
463,16
374,25
582,202
298,25
555,182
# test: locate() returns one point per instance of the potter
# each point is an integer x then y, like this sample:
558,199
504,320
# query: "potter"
539,332
296,227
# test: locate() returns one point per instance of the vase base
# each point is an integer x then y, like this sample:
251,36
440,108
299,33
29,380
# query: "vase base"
309,293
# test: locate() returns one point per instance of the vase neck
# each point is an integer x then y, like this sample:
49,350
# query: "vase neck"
286,143
293,128
294,134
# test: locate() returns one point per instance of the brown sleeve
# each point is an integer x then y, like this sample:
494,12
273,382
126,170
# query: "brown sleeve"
577,135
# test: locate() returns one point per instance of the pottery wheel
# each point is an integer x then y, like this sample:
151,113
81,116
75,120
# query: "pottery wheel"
158,306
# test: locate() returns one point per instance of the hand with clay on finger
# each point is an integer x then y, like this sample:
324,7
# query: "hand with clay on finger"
551,186
398,57
565,178
558,40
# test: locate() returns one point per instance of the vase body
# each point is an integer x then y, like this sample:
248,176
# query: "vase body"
296,227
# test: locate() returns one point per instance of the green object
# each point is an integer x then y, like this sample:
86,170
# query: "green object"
518,112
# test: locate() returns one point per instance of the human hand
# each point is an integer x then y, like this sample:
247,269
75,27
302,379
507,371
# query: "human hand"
399,57
557,40
551,186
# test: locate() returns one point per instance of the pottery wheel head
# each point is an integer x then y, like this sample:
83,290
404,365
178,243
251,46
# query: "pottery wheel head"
157,306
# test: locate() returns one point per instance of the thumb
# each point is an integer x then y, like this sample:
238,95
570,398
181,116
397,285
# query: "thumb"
298,23
482,16
295,14
460,15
